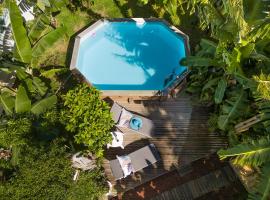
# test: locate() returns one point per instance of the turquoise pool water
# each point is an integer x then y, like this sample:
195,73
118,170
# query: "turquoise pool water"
131,56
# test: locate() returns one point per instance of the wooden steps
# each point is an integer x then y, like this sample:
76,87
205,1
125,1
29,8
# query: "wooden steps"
201,186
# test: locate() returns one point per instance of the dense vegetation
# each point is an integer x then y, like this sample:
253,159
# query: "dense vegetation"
45,112
40,123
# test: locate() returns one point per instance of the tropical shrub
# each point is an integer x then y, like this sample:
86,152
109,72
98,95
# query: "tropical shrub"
86,115
233,68
91,185
31,95
45,173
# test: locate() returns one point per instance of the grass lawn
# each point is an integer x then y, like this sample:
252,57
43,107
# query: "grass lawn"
106,8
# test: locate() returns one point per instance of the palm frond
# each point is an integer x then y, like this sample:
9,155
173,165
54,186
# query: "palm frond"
261,31
254,153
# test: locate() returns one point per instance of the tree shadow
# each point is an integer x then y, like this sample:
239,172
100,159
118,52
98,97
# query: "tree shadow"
153,49
131,9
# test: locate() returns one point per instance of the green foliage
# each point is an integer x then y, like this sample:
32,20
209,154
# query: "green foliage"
39,26
230,109
254,153
29,97
43,105
45,173
44,170
262,189
89,117
46,42
23,45
89,186
15,131
255,11
198,61
22,102
220,91
7,102
263,87
235,74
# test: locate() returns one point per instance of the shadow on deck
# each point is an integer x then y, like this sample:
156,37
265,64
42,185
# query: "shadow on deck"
181,136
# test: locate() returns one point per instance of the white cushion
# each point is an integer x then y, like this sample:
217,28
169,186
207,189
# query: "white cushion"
125,118
126,166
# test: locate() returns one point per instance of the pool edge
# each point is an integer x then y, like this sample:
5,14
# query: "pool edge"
142,93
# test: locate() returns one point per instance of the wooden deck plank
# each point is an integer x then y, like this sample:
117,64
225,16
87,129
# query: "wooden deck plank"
181,136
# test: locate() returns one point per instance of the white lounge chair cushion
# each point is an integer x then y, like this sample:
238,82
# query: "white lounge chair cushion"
125,118
125,163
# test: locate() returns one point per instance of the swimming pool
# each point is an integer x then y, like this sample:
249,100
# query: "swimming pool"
130,55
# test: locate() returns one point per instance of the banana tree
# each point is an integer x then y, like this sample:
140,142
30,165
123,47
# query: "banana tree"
254,153
32,94
30,44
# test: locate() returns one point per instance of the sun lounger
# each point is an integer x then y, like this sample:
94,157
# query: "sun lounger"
147,124
140,159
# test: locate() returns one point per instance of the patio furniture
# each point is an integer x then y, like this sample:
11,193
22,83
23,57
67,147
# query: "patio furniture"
118,139
140,159
137,123
83,162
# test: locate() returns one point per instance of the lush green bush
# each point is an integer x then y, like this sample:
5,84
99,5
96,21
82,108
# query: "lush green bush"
90,185
45,173
86,115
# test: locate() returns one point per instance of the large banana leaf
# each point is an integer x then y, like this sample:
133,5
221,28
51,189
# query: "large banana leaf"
220,90
39,86
46,42
254,153
232,108
52,72
38,28
7,102
262,189
44,104
23,45
22,102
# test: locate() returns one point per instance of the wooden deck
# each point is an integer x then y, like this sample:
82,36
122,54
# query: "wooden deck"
181,136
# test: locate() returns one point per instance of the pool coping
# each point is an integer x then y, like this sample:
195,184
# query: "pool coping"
143,93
